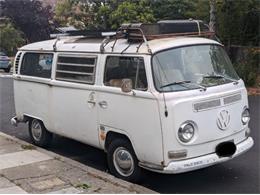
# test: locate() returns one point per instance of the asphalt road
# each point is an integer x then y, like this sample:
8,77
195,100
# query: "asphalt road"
240,175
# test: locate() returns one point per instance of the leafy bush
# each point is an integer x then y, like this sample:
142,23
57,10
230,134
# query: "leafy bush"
247,67
10,38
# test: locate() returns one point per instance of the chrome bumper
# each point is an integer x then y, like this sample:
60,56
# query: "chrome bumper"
202,161
14,121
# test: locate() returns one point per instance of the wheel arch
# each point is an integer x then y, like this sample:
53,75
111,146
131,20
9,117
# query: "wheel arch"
27,118
112,135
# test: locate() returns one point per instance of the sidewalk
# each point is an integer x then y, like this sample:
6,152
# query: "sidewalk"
25,168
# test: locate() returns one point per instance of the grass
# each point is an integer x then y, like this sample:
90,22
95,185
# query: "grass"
28,147
83,186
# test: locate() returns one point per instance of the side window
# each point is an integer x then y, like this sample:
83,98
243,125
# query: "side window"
76,69
118,68
37,64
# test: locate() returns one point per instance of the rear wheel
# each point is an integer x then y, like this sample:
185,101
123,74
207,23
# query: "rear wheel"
40,136
122,161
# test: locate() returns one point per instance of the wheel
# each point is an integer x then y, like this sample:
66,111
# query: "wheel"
7,69
40,136
122,161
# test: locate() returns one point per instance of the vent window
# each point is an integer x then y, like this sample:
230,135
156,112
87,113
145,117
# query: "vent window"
16,63
76,69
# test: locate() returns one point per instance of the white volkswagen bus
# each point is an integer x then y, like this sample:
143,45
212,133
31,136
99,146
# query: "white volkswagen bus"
169,105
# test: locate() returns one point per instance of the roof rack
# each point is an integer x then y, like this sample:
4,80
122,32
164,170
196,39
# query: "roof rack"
163,29
91,33
142,33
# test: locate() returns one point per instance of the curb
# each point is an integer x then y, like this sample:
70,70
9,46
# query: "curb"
6,76
133,188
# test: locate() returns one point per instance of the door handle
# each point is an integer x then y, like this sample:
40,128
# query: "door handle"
92,102
91,99
103,104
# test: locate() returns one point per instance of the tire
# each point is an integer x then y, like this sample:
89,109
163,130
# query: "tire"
7,69
39,135
133,172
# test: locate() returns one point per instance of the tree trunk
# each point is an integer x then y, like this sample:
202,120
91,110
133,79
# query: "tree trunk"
212,23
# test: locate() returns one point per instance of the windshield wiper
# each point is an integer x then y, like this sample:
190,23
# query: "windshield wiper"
175,83
214,76
184,82
217,76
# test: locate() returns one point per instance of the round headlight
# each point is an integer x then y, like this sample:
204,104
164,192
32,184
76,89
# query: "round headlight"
186,132
245,116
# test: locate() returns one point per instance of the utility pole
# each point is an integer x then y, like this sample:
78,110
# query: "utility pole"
212,23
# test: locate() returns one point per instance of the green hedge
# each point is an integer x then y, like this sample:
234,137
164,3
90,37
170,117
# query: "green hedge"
246,63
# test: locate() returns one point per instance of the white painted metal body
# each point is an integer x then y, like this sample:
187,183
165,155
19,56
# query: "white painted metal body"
64,109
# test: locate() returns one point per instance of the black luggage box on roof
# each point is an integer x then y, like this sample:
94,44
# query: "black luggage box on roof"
182,26
169,27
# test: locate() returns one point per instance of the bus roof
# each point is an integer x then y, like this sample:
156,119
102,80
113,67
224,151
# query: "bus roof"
90,45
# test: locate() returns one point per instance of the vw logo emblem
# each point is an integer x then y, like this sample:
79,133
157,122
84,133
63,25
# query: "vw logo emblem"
223,120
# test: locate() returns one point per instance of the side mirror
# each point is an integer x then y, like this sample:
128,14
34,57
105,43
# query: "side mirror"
127,85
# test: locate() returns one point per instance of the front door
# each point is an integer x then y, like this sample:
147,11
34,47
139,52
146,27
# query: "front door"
134,114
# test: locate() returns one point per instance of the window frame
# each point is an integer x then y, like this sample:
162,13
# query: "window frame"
76,55
129,56
21,61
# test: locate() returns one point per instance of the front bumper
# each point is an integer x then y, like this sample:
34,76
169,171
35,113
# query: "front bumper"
202,161
207,160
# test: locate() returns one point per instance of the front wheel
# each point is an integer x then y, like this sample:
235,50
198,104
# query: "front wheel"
40,136
122,161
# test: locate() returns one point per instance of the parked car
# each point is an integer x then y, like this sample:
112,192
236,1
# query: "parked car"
165,102
5,62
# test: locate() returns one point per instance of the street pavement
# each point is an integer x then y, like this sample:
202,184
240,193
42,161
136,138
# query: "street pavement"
240,175
25,168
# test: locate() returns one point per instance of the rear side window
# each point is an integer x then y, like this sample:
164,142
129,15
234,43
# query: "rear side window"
119,68
76,69
37,64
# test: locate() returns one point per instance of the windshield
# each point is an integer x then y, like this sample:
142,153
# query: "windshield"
192,67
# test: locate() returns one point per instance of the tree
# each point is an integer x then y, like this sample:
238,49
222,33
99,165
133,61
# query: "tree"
102,14
238,22
130,11
30,17
173,9
10,38
212,23
74,13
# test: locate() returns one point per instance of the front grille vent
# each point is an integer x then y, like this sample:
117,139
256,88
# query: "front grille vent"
232,99
207,105
16,63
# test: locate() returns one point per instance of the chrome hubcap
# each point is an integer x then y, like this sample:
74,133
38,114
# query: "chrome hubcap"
36,130
123,161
